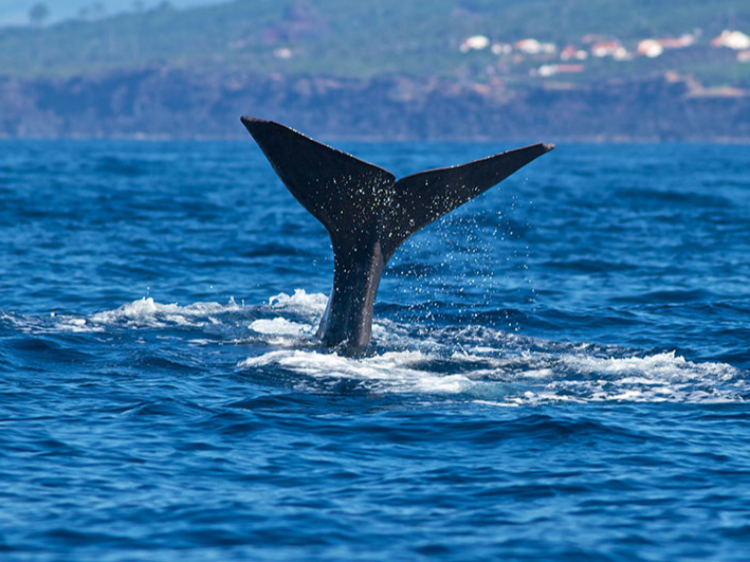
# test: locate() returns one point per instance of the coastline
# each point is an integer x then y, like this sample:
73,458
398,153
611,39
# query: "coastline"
168,104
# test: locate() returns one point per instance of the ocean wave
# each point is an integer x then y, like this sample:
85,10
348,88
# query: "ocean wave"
147,313
473,362
524,379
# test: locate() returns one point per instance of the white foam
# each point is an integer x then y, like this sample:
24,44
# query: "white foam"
393,371
211,317
654,378
279,326
471,362
301,302
77,325
524,378
148,313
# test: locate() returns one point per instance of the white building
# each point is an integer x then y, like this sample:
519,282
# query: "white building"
650,48
533,47
474,43
732,40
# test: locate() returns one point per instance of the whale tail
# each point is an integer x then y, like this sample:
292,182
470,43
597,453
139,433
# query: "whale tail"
368,214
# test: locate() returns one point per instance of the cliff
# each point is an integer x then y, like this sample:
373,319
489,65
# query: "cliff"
159,102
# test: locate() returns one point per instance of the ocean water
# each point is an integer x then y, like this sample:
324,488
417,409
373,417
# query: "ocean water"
560,368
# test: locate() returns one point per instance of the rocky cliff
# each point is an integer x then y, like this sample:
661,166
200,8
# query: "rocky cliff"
158,102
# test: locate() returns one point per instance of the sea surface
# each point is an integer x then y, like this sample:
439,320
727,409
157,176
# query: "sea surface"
560,368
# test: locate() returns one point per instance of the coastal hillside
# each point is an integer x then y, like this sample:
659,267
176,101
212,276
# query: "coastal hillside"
359,39
691,59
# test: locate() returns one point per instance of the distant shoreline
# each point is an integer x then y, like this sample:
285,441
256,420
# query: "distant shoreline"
169,104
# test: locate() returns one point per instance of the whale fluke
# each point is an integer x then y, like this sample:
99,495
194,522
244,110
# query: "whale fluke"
368,214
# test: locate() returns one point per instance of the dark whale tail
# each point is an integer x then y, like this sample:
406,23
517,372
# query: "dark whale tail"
368,214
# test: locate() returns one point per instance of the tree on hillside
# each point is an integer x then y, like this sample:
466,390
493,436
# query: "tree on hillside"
38,13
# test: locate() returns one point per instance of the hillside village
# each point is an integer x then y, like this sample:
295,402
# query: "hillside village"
572,58
438,74
306,38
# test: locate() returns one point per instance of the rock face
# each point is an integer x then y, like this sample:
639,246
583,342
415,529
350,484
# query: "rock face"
173,103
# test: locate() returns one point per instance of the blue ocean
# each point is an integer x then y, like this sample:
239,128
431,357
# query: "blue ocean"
560,368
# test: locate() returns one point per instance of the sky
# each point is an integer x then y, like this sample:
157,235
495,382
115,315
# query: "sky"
16,12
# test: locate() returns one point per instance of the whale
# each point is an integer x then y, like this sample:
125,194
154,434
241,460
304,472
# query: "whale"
368,214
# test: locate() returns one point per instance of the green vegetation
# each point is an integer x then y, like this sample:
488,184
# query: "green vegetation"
358,39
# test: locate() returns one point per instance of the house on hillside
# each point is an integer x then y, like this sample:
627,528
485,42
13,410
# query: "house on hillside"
732,40
502,48
474,43
677,42
570,52
612,49
532,46
650,48
653,48
547,70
